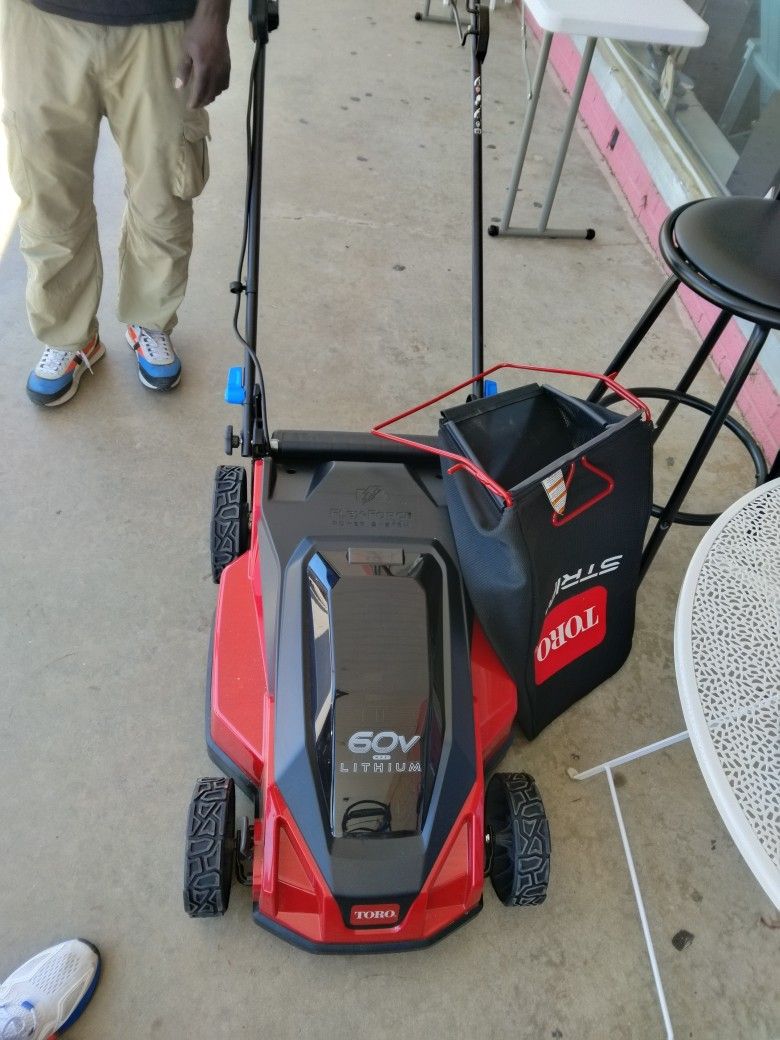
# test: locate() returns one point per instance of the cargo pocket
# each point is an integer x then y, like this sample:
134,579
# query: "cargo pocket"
17,167
193,166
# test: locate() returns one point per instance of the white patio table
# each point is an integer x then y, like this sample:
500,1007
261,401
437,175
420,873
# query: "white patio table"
727,659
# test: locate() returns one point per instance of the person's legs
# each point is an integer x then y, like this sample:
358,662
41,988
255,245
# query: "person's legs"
163,145
52,114
48,993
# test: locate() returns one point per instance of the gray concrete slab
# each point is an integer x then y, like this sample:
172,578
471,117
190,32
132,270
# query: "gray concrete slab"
107,599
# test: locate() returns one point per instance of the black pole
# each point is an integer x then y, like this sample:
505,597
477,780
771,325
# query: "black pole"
477,287
251,404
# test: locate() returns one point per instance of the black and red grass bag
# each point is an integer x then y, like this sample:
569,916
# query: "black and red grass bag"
549,497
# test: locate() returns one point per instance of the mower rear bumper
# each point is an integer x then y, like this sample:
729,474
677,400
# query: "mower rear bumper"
389,946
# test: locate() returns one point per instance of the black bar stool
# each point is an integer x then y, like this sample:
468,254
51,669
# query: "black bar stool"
727,250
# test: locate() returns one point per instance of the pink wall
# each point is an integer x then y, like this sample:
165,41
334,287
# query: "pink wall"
759,400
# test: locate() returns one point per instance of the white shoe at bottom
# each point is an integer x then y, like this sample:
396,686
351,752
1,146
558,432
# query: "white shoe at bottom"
48,993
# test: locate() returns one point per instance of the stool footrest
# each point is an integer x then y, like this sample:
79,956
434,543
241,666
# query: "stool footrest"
689,401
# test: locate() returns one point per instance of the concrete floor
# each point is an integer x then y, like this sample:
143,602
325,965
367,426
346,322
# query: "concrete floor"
107,599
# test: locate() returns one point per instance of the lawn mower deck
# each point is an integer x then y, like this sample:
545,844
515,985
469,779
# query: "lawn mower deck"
369,758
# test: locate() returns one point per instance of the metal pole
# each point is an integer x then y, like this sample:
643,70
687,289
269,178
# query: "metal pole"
576,97
525,137
613,763
637,334
253,252
704,351
477,287
641,908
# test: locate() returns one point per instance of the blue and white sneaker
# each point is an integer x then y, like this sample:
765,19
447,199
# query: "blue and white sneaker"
158,366
55,379
49,992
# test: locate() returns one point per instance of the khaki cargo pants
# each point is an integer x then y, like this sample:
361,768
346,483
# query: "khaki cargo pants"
60,78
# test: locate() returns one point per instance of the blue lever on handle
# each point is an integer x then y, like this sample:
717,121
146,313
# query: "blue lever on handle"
234,390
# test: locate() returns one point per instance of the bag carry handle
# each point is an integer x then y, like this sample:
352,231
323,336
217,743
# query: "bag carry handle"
461,462
558,520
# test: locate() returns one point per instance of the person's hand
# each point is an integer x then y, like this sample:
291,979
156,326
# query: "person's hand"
205,64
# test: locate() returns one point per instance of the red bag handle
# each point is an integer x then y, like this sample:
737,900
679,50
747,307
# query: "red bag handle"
559,521
461,462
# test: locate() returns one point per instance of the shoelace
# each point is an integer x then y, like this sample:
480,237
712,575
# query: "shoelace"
16,1022
157,345
52,360
85,359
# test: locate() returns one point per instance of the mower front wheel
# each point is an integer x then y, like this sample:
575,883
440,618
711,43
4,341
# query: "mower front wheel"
210,850
517,839
229,518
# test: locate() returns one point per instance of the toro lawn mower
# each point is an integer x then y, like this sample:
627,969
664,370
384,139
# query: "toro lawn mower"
351,694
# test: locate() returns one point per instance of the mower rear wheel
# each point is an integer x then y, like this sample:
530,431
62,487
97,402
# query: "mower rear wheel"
229,518
210,850
519,839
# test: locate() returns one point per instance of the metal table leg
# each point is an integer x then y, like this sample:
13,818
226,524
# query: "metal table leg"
525,136
542,230
426,16
606,768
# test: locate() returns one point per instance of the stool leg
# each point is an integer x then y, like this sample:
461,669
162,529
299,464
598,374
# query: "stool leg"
525,136
704,351
774,473
638,333
705,442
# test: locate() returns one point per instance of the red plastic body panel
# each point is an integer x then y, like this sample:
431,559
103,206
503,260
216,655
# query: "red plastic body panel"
290,892
288,889
495,695
238,686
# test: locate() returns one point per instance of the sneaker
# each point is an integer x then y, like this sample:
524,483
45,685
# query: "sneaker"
49,992
55,379
158,366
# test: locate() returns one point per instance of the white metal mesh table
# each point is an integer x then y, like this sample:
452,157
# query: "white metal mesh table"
727,657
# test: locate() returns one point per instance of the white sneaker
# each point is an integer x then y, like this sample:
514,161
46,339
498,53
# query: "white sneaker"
158,366
55,379
49,992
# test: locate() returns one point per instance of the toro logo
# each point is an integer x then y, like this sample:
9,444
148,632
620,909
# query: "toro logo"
377,915
570,630
383,743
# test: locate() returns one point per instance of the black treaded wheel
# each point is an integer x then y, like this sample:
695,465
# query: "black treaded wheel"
229,518
210,848
519,836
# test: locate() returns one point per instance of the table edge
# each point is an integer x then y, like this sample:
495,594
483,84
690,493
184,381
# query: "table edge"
752,851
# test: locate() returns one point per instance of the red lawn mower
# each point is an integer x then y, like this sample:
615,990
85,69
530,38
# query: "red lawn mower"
351,692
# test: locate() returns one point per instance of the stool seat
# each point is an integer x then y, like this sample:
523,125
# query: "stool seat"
728,252
735,242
